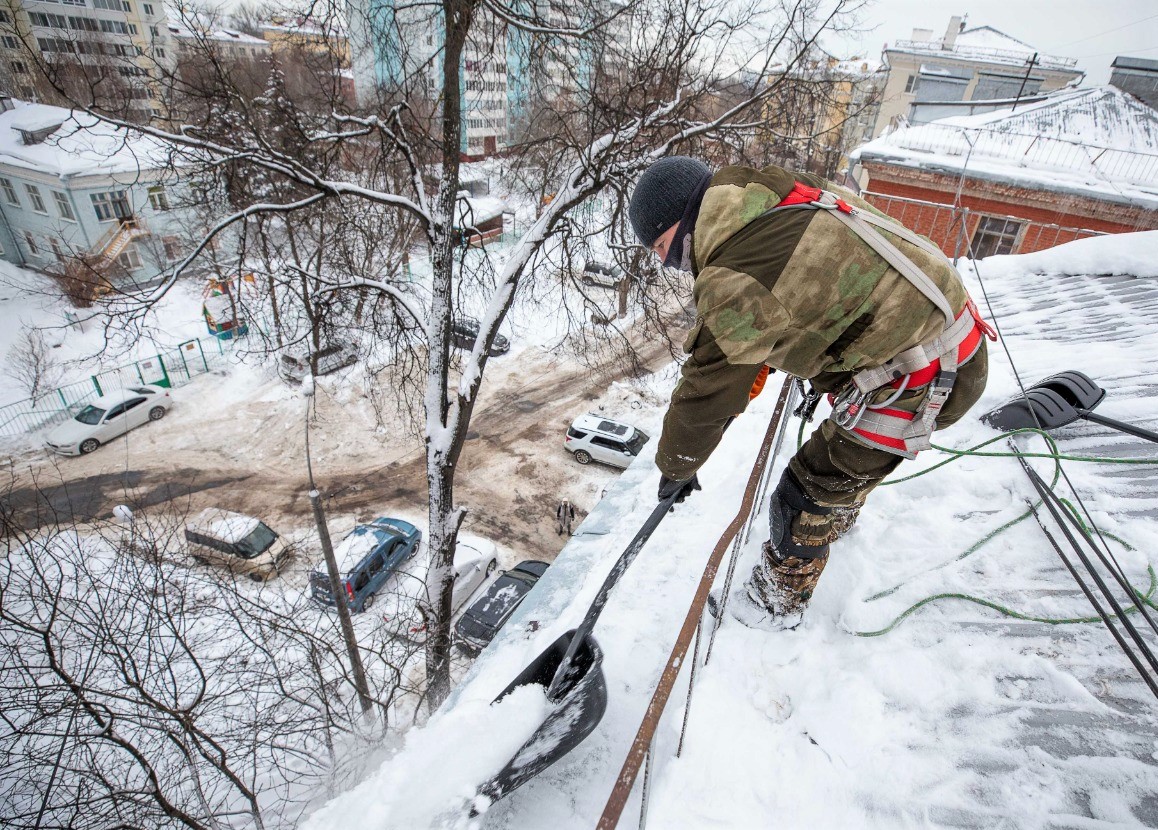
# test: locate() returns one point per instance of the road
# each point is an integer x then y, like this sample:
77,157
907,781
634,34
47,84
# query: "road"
512,474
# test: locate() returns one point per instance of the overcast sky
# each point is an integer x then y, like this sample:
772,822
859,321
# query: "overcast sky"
1093,31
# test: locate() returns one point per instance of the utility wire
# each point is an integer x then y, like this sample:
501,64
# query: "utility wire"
1108,31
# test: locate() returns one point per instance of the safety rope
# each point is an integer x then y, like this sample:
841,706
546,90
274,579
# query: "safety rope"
974,451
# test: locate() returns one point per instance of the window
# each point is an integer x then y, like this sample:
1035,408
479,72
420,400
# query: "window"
376,564
172,246
56,21
56,249
617,446
73,2
9,192
910,82
160,53
111,5
994,235
129,259
34,195
31,240
158,198
5,17
19,68
63,206
111,205
153,31
148,9
133,404
9,42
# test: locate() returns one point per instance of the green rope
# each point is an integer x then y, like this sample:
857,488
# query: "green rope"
1146,599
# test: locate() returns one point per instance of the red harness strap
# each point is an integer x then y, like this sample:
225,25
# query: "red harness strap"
965,351
802,194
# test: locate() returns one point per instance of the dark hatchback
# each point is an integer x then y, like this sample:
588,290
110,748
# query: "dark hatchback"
479,624
464,331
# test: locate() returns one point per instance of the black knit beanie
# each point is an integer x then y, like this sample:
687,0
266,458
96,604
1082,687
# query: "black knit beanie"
662,194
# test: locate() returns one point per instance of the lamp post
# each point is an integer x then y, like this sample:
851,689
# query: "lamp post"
336,589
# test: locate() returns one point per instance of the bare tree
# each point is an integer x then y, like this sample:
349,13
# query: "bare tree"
294,177
32,364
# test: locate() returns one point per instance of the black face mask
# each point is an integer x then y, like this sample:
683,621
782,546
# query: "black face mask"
679,254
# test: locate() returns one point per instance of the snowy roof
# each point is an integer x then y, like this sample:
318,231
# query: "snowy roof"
221,35
986,44
959,716
84,145
478,209
1099,142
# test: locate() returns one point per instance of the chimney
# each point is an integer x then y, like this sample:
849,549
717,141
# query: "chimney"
951,33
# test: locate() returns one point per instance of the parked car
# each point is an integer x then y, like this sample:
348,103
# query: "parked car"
479,624
108,417
602,274
294,366
464,331
475,561
366,558
245,545
595,438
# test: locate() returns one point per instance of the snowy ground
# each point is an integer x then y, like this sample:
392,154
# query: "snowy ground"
958,717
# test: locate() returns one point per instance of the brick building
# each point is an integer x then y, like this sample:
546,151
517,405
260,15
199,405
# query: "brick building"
1078,163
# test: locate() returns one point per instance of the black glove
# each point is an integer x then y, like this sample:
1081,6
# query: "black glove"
668,487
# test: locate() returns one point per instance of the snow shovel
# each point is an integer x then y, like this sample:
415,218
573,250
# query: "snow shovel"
1057,401
571,669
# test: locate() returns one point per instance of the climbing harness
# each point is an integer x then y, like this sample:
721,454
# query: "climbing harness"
931,365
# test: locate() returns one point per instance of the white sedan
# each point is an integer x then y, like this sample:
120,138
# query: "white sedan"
475,560
108,417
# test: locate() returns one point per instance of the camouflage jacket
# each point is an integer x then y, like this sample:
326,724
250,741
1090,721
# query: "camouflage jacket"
795,289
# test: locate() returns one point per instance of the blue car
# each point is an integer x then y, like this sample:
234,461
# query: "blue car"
366,557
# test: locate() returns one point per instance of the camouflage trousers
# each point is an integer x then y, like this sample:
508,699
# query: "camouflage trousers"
838,472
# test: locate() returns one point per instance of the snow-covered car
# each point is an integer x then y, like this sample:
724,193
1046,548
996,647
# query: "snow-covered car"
294,366
475,560
107,417
245,545
482,621
464,331
366,558
601,273
595,438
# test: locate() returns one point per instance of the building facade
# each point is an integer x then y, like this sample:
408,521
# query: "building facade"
83,200
978,64
1137,76
1079,163
125,40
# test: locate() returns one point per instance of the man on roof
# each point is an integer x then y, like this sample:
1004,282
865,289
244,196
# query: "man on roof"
799,275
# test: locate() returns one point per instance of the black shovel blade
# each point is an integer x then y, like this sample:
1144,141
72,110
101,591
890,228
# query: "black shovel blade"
1075,388
576,711
1051,409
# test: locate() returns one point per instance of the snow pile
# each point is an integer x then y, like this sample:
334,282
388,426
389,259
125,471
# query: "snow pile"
1135,254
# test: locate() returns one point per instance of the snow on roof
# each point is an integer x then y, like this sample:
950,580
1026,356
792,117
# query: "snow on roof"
1099,142
478,209
984,43
358,545
959,716
84,145
183,32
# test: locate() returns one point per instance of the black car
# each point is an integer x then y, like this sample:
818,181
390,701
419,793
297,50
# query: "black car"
464,331
479,624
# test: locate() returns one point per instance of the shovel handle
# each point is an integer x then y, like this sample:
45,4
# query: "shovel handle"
625,559
1137,432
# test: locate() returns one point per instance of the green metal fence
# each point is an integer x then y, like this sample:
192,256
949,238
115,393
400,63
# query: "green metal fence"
169,368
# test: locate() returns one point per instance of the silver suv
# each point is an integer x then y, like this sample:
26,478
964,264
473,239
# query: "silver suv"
595,438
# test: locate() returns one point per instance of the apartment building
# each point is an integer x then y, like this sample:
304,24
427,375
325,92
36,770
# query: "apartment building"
966,64
125,41
79,196
1137,76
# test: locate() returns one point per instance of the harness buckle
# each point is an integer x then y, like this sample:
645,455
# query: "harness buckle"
849,407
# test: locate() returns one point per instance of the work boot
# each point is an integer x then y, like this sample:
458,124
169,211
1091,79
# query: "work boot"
782,588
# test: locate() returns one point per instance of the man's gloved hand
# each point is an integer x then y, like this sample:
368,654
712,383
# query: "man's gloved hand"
668,487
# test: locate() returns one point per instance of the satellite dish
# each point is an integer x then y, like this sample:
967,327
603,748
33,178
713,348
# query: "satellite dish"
122,512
